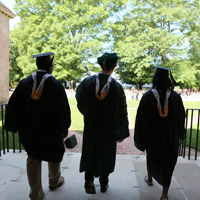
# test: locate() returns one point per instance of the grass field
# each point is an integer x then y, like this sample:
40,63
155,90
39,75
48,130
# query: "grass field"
193,138
77,118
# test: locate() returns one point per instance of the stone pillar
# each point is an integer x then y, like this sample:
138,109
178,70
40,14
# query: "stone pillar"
5,15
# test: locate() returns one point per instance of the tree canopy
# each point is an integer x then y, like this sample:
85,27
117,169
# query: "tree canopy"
75,30
142,32
158,33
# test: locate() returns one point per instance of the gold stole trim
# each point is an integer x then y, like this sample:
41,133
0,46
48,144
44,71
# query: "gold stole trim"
37,93
104,90
156,95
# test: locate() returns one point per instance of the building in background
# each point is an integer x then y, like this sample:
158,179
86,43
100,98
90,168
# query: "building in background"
5,15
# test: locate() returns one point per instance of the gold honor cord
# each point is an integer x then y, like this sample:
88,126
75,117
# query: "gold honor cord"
156,95
105,89
37,93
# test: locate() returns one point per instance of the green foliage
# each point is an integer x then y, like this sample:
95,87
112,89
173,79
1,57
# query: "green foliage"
157,32
73,29
15,71
143,33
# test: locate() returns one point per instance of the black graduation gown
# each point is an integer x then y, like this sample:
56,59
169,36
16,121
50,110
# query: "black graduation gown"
105,122
160,136
40,124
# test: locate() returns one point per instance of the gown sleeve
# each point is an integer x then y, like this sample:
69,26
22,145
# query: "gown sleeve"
12,111
80,97
181,118
64,121
141,126
122,127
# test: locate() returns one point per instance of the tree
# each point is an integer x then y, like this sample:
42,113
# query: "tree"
15,71
73,29
129,75
159,32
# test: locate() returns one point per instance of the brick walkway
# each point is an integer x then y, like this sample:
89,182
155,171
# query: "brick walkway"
125,147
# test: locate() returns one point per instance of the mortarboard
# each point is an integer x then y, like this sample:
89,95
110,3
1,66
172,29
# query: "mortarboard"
163,72
106,58
162,68
43,54
44,60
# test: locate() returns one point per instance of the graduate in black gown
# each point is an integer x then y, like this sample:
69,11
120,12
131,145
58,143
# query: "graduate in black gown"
39,111
102,101
158,127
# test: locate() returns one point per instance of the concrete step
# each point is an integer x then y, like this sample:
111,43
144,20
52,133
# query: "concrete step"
126,183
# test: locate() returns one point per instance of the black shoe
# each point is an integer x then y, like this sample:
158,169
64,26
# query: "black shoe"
60,183
104,188
89,187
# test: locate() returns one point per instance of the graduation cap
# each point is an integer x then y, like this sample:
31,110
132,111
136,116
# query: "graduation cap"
106,57
44,60
163,72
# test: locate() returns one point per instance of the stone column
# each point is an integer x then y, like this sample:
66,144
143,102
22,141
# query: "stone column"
5,15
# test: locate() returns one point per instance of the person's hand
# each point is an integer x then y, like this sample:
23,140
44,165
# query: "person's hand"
65,134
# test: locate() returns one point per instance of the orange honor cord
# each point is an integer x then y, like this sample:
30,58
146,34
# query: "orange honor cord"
105,89
37,93
156,95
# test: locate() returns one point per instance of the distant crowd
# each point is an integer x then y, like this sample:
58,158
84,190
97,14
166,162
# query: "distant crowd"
186,94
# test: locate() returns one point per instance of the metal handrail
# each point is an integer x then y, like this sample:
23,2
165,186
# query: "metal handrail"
186,144
5,139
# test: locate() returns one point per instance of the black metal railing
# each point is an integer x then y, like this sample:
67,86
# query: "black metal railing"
190,145
8,140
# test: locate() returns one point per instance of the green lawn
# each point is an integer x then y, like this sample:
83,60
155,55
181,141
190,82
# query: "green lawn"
193,138
191,104
132,103
72,101
77,118
132,114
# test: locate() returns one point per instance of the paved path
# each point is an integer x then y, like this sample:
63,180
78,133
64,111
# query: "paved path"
126,182
125,147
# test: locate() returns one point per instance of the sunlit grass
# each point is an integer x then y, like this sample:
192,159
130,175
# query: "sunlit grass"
193,133
77,119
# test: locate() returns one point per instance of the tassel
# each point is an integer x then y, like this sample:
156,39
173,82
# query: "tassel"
174,82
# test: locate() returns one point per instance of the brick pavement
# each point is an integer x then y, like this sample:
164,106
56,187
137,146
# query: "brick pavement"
125,147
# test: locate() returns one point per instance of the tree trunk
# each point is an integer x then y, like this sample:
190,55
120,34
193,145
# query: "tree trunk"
73,84
65,84
140,86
